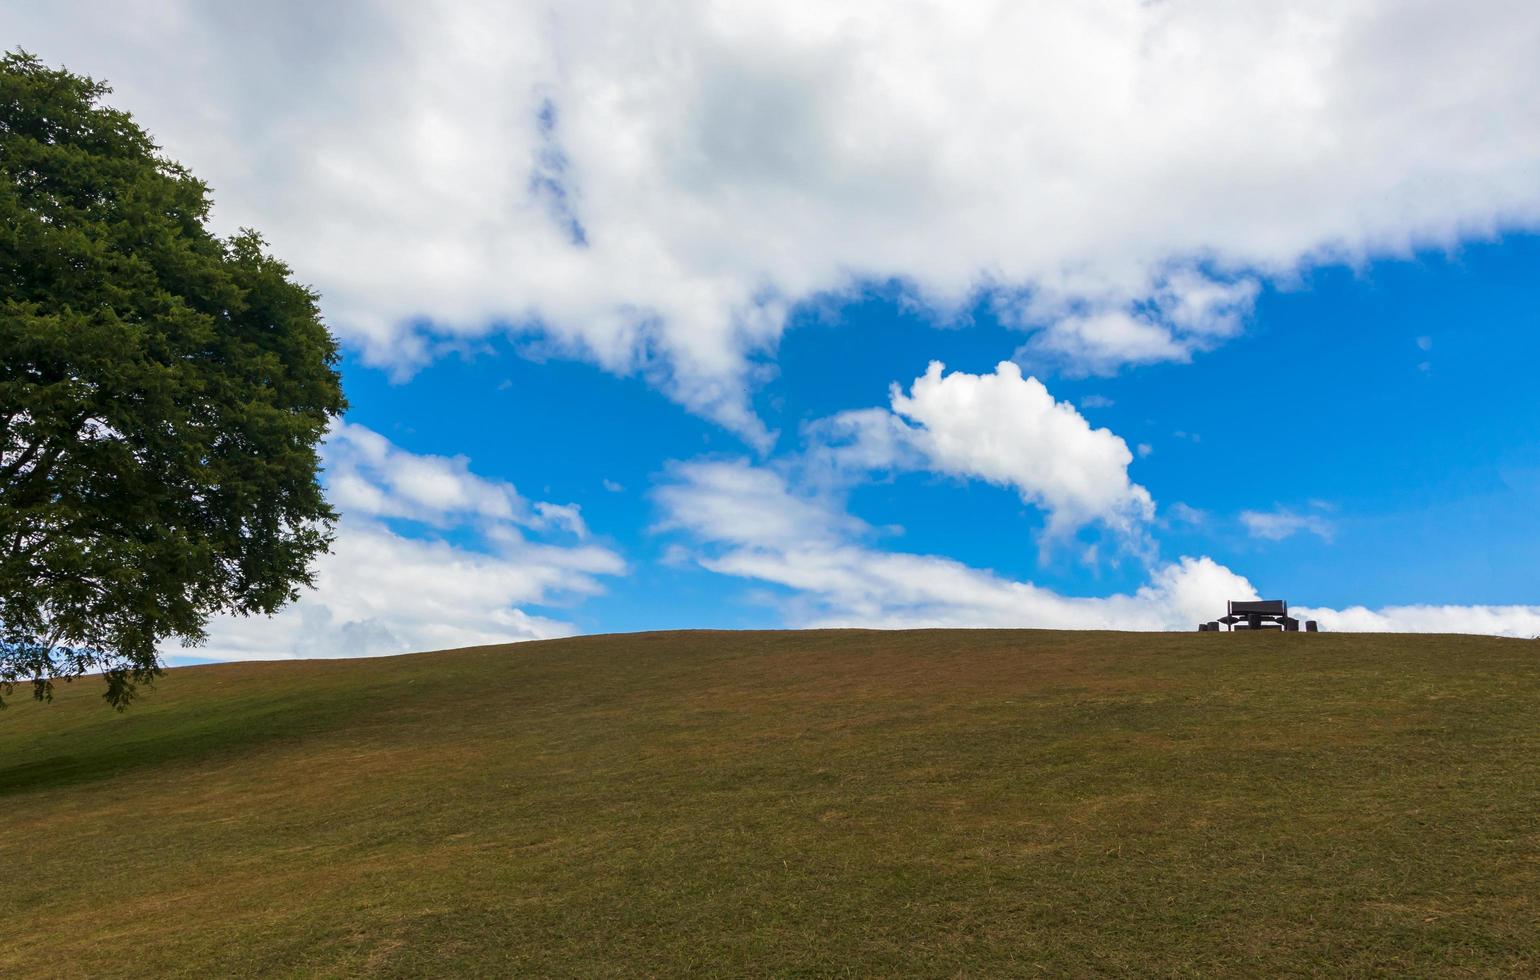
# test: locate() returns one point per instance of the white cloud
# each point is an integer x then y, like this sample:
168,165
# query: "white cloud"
739,504
652,186
1182,513
1185,314
1004,429
749,523
567,517
368,475
1102,342
1283,523
1519,621
379,593
383,592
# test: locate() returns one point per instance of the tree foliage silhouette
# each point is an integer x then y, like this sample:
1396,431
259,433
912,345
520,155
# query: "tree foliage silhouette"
163,393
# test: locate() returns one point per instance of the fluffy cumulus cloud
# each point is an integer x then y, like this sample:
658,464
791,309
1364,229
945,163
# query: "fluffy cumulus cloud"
428,555
654,186
749,522
1004,429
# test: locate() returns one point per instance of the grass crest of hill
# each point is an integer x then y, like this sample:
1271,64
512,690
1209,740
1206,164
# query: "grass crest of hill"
919,803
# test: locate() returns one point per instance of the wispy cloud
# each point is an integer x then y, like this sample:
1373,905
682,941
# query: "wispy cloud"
428,555
1181,513
1276,525
749,522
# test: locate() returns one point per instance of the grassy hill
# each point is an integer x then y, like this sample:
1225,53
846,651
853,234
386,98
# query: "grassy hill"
932,802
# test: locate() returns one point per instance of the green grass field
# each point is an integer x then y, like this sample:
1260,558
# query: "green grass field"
809,803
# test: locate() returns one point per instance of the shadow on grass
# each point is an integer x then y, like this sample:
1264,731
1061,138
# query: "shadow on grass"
179,734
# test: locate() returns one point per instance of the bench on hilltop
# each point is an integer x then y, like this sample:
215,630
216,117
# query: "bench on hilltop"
1257,614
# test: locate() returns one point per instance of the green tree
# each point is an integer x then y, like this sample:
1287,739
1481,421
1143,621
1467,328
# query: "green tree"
162,396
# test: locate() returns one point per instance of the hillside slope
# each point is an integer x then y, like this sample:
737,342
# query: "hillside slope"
933,802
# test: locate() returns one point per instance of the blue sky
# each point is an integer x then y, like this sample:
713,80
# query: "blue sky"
1389,406
645,311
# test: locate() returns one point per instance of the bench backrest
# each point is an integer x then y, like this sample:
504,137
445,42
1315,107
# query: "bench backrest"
1266,607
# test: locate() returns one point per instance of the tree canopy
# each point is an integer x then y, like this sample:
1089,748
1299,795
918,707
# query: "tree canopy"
162,395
